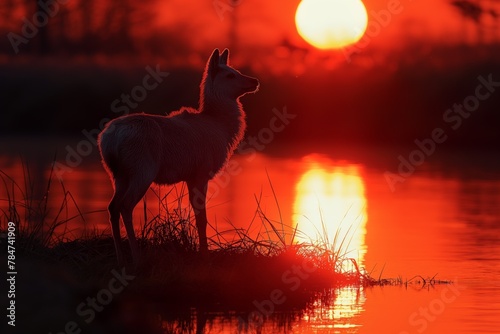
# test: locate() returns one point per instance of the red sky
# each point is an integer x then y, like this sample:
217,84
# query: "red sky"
266,29
269,22
263,28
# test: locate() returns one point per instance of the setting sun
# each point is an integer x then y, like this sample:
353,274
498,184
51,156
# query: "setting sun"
331,24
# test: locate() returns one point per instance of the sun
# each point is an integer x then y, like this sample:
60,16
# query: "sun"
331,24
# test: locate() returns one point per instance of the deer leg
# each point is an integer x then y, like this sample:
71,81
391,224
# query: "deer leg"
114,218
133,195
129,227
197,198
115,228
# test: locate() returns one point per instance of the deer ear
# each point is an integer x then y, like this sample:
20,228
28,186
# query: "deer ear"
224,57
213,63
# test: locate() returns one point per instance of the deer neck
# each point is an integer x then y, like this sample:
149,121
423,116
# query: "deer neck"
228,112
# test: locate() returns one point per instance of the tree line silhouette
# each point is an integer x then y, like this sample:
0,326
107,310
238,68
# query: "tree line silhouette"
484,14
76,26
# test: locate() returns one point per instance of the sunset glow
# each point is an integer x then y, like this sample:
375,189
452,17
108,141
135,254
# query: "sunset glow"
329,202
227,166
330,24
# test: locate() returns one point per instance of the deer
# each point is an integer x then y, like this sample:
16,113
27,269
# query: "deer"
188,145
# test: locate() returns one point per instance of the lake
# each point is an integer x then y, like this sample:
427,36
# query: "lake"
439,218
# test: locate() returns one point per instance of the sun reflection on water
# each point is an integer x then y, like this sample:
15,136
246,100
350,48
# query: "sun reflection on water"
338,311
330,206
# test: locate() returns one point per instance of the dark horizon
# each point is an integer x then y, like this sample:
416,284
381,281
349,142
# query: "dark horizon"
349,104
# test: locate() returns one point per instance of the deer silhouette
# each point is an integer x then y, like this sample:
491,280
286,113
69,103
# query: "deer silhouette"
187,145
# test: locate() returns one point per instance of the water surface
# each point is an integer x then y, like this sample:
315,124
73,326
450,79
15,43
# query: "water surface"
443,220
